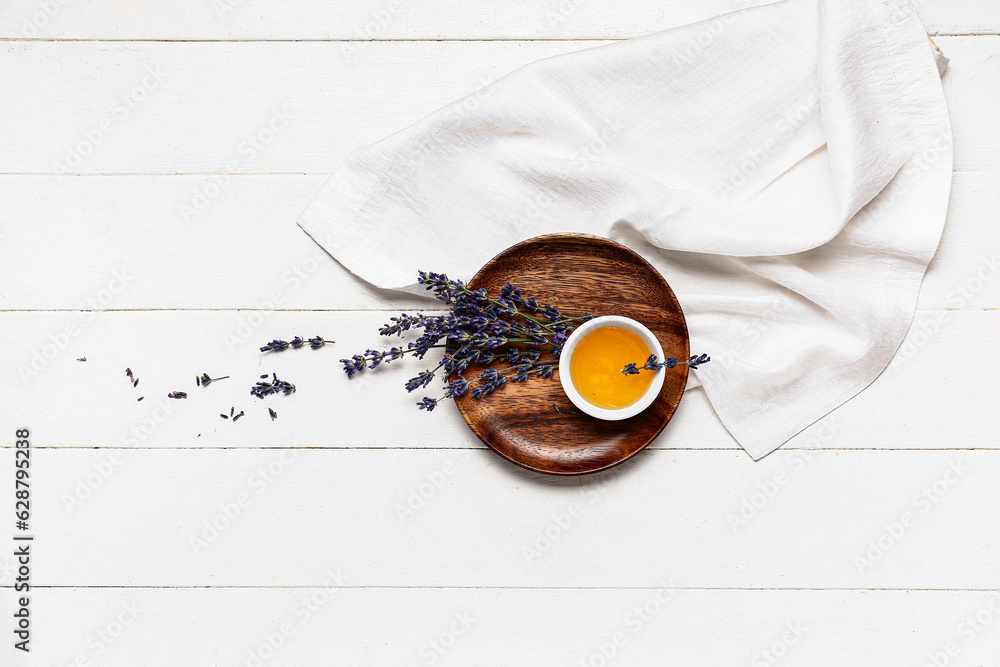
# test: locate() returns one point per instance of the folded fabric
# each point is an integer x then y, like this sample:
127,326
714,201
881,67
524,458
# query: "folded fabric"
786,168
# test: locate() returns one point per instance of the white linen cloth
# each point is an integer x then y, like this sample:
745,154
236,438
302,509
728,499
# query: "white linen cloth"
786,168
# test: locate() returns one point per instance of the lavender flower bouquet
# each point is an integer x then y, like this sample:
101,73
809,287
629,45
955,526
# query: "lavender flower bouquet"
479,330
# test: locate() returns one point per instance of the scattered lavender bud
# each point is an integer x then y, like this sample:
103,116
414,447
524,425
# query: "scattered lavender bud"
140,398
177,394
197,380
136,383
238,416
264,376
224,415
231,411
205,380
265,388
128,372
81,358
274,415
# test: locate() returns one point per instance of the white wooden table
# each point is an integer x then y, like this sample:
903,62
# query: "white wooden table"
154,158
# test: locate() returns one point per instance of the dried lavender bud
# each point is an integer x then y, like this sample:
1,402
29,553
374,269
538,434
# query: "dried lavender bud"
456,388
698,360
317,342
421,380
224,415
545,371
397,325
136,383
177,394
128,372
264,376
140,398
354,365
81,358
205,380
274,415
238,416
297,342
264,388
197,380
231,411
509,294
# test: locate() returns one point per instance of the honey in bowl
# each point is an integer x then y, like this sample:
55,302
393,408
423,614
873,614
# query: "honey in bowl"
597,363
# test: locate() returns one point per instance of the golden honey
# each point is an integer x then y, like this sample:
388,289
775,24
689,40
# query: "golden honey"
596,367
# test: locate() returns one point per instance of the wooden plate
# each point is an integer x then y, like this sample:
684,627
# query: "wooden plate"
533,423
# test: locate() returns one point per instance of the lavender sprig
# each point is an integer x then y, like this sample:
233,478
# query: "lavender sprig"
490,380
652,364
276,345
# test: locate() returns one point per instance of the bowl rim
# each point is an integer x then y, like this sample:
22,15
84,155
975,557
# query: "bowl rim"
586,406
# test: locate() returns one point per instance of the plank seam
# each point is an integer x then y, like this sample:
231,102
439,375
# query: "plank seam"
484,449
348,40
524,588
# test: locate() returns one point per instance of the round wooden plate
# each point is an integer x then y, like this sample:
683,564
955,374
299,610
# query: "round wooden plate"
533,423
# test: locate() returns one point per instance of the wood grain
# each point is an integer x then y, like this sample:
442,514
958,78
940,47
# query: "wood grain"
533,423
244,246
392,19
91,404
222,626
62,238
222,107
440,518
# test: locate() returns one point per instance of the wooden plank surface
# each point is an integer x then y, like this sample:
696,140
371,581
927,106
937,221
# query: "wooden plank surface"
475,626
393,19
874,532
243,245
92,403
404,517
301,107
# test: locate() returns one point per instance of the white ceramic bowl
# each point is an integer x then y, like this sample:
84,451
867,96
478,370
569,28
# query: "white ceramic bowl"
567,354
